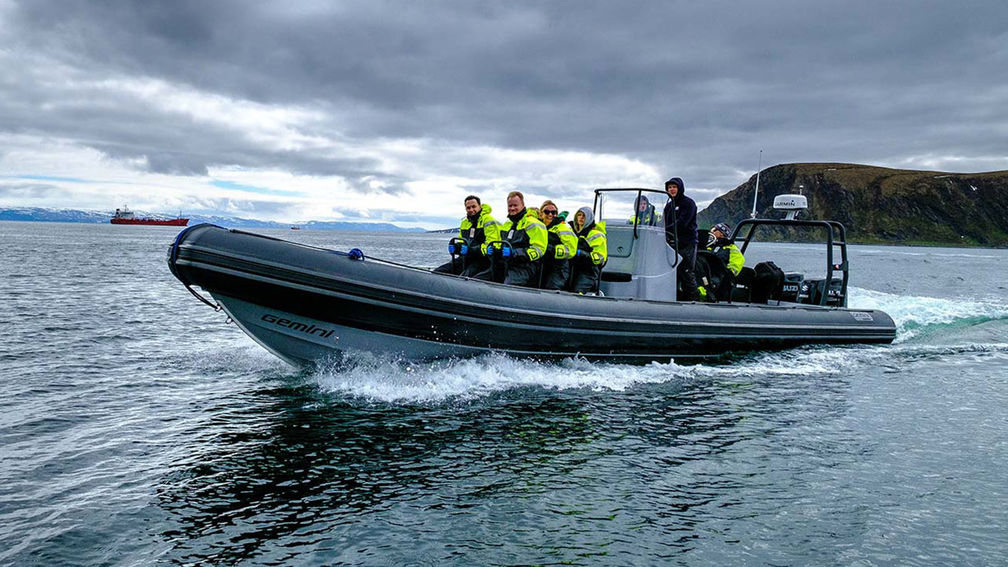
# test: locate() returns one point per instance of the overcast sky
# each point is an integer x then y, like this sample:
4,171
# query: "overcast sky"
395,111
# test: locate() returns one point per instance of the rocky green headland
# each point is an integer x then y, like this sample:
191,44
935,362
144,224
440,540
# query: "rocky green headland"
881,205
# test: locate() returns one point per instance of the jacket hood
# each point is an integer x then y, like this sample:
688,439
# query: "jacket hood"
678,181
588,214
485,209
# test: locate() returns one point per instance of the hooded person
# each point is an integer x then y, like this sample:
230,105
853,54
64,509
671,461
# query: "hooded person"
469,248
644,212
560,248
681,233
592,251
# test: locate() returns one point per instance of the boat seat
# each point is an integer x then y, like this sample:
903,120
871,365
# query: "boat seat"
742,292
713,274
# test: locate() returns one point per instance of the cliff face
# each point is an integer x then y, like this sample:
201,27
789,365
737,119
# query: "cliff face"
878,204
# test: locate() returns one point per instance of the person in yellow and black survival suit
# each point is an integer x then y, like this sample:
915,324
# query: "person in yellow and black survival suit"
681,232
718,265
645,214
592,251
468,250
561,246
515,258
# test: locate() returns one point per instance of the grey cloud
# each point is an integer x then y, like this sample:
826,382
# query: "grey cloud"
695,88
29,191
123,129
176,164
227,207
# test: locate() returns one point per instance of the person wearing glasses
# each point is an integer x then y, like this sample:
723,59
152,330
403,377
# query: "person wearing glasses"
561,245
591,254
515,259
471,257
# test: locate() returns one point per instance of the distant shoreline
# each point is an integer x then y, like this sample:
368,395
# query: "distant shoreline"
386,227
229,225
71,216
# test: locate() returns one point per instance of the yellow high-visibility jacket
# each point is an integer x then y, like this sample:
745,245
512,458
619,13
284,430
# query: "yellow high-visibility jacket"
528,234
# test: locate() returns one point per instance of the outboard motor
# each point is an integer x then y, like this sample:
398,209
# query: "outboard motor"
812,291
792,286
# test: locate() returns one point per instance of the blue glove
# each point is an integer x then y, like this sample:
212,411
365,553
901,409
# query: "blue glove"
506,252
451,247
465,249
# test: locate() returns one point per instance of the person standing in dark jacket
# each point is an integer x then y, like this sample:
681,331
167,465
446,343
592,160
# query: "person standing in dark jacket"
681,234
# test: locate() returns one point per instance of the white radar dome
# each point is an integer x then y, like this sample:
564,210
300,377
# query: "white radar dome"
790,203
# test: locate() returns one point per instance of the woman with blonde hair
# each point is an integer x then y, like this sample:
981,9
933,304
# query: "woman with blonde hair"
561,245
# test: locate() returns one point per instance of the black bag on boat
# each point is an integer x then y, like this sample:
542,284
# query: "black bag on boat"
767,282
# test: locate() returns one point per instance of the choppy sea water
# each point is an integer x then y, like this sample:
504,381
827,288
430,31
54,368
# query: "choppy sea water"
137,427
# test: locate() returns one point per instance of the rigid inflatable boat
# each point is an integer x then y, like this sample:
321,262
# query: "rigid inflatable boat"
307,304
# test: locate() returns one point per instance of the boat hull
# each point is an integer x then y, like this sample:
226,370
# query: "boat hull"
305,304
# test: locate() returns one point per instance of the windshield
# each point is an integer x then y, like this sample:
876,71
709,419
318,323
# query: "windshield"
627,206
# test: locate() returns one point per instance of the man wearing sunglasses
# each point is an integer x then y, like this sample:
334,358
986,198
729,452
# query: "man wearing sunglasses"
560,247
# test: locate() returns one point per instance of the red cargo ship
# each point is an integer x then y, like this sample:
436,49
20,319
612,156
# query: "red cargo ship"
125,216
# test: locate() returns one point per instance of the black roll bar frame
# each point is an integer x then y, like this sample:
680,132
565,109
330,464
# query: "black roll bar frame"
832,228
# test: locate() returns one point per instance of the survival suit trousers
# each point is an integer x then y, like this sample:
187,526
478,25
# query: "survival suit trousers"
555,273
516,271
686,274
585,275
467,266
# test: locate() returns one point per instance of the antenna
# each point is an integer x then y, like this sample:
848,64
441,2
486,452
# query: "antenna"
756,192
